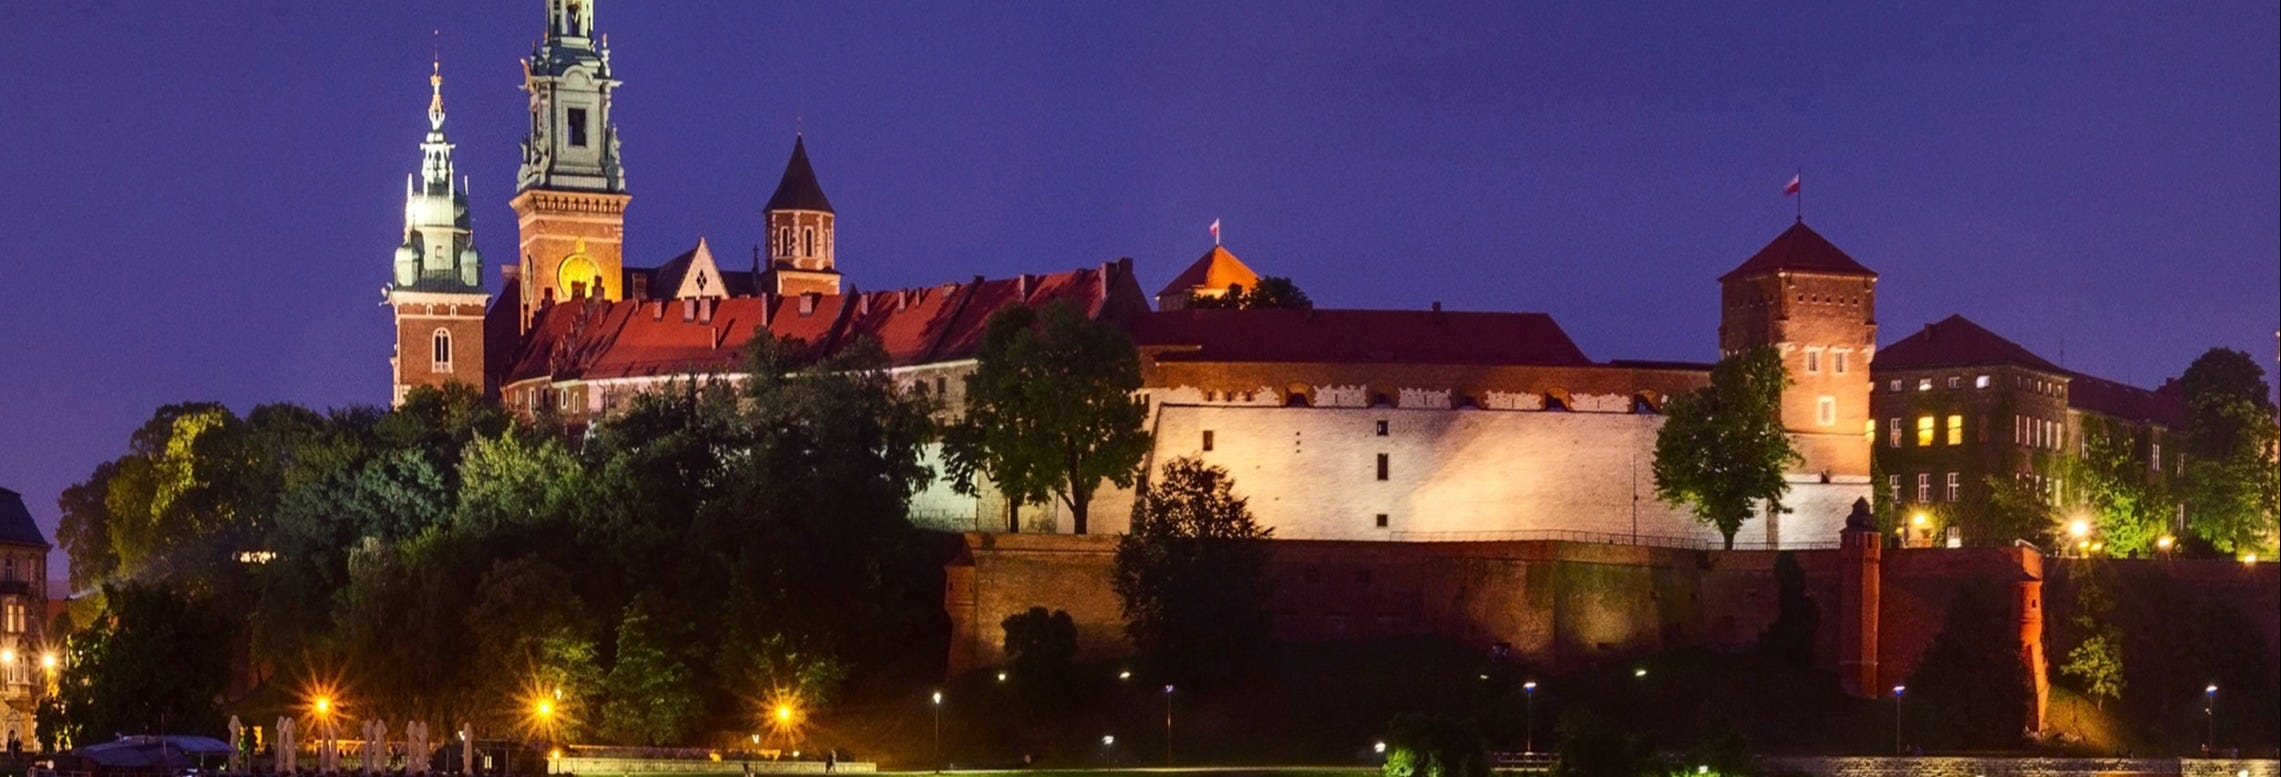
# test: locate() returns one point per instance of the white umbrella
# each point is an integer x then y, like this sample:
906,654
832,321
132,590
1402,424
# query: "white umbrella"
237,734
466,748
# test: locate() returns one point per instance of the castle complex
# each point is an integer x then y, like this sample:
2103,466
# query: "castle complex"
1338,424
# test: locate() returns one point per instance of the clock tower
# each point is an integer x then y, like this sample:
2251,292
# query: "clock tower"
570,196
436,289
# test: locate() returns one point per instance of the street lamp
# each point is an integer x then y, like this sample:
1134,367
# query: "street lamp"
1897,691
938,730
1168,724
1530,690
2210,719
1108,754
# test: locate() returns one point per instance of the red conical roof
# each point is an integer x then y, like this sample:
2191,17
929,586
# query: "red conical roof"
1799,248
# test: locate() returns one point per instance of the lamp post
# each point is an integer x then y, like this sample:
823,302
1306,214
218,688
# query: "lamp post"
1529,690
1897,691
938,731
2210,719
1168,724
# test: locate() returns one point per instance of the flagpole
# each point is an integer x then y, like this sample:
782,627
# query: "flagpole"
1801,195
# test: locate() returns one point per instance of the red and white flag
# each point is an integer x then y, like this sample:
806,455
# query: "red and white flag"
1215,231
1792,187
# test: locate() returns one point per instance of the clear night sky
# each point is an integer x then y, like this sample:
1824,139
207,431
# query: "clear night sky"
199,199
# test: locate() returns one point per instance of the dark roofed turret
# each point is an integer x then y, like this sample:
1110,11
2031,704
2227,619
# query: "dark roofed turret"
1799,248
799,190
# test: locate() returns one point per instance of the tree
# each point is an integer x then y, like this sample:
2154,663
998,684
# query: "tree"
1722,447
652,700
1972,688
159,656
1590,745
1191,576
2097,660
1423,745
1040,648
2127,503
1050,409
2231,490
1271,292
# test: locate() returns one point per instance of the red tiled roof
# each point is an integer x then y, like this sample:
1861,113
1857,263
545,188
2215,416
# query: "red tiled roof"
2100,395
594,340
1799,248
1358,336
1957,342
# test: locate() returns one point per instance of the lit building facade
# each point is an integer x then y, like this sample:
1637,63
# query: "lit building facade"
27,665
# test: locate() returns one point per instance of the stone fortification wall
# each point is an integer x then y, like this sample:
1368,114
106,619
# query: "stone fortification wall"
2024,767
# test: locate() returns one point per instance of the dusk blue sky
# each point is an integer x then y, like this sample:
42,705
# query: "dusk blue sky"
200,199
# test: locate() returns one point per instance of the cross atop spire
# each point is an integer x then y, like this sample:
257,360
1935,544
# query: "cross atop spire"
436,100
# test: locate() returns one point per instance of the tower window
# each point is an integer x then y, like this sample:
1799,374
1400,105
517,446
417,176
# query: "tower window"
1381,428
808,242
574,124
441,344
1382,466
1838,362
1825,411
1208,439
1813,362
783,241
1381,520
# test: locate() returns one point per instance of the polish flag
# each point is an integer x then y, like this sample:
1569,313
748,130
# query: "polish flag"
1215,231
1792,187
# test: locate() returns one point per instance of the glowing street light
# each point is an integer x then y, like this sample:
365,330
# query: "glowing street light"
2164,542
1897,691
2210,719
1168,724
1530,690
938,730
2079,528
1001,677
1378,747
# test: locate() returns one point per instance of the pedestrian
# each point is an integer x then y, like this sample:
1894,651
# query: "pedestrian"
831,760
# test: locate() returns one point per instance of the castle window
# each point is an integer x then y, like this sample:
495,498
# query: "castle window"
1893,385
1955,485
1837,363
784,241
941,385
574,122
1381,520
441,344
1955,381
1813,361
1980,382
1924,487
1825,411
1893,487
1382,466
1207,439
1924,431
2154,457
808,241
1893,434
1924,384
1956,430
15,624
1382,427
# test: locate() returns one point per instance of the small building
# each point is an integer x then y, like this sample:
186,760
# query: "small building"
23,602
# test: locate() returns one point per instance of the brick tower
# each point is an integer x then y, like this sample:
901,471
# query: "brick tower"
1817,306
436,290
800,248
570,197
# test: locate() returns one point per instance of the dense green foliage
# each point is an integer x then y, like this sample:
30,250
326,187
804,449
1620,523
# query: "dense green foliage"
707,545
1722,449
1191,576
2128,504
1271,292
2095,663
1791,636
1049,410
2231,488
1972,689
159,660
1425,745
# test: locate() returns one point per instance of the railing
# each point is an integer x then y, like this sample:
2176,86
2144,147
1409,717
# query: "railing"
1601,538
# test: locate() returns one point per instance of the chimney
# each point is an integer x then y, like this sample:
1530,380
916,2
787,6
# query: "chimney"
863,305
705,310
807,304
688,310
657,312
1437,306
641,285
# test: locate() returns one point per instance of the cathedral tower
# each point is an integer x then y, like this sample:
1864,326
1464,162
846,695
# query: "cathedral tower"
437,287
1817,306
800,255
570,197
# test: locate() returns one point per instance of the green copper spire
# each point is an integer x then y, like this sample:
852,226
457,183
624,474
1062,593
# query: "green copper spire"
572,144
438,252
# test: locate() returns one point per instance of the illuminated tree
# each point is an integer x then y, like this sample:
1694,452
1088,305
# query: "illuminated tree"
1722,450
1191,575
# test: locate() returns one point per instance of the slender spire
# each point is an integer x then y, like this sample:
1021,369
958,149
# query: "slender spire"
436,100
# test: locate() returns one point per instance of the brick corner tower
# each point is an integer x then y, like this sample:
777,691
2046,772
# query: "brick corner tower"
570,195
436,289
801,255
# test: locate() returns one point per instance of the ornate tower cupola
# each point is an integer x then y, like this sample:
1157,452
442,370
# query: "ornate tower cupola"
436,289
800,254
570,197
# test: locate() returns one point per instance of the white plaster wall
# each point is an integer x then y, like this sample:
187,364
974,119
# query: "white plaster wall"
1311,473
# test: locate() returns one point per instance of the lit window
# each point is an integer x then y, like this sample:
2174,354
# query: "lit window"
1207,439
1825,411
1893,432
15,624
1924,384
1924,487
1956,430
1382,466
1813,361
1955,484
441,345
1924,431
1980,382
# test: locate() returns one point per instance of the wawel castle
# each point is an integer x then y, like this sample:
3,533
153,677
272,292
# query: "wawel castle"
1336,424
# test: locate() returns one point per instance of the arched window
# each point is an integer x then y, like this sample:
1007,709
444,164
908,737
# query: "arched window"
808,241
442,342
784,241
